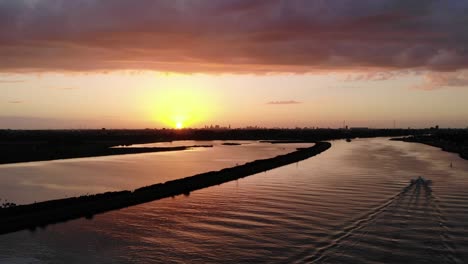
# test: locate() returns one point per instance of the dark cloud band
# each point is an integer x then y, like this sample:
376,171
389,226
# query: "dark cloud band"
232,35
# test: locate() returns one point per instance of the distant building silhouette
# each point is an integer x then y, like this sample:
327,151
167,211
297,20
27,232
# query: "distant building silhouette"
217,127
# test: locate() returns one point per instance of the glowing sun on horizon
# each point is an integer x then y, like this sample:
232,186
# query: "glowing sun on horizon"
180,108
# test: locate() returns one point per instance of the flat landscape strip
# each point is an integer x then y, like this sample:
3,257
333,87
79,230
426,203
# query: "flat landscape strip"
54,154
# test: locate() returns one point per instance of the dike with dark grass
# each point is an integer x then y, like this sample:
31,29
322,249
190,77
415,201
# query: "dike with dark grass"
42,214
10,156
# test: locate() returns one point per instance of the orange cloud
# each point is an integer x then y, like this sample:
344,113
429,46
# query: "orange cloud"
438,80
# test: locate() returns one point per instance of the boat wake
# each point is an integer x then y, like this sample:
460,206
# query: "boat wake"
411,221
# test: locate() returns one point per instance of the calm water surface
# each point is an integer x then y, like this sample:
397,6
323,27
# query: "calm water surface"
39,181
346,205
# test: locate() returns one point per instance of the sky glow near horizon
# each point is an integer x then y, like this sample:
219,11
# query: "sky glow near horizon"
191,64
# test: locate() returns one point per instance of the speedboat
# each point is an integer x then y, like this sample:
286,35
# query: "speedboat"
421,180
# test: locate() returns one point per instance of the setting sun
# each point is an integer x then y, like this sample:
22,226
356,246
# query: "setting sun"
180,107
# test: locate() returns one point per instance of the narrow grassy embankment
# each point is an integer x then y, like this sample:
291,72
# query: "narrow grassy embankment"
43,154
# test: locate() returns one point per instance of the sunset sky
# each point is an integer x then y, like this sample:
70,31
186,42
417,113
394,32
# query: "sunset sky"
272,63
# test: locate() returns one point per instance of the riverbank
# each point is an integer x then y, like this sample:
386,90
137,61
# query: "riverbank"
40,145
41,214
15,157
445,145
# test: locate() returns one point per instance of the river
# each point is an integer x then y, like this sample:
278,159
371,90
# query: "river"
350,204
30,182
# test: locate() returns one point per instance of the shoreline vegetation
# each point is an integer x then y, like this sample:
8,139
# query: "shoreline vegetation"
231,144
41,214
40,145
446,144
93,153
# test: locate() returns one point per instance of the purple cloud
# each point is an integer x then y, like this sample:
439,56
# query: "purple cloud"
65,88
284,102
233,35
